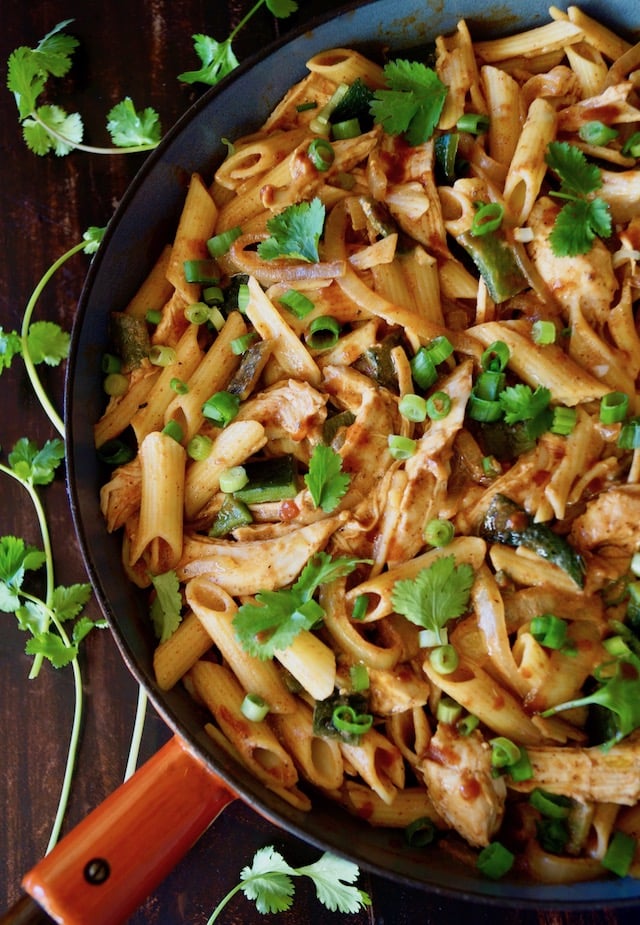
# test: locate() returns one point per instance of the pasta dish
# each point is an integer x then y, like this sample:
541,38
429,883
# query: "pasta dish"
374,436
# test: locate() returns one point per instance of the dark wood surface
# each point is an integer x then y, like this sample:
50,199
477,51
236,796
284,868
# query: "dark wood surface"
136,48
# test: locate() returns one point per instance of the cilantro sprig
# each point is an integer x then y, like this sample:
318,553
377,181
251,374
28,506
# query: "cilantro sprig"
218,59
277,618
326,481
44,341
413,102
44,617
295,232
584,216
269,883
48,127
436,595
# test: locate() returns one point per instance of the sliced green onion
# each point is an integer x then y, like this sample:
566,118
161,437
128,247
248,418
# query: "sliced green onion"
483,410
444,659
552,805
243,297
240,345
174,430
203,271
427,639
420,833
489,384
199,447
439,532
254,708
360,605
632,145
197,313
111,364
233,479
162,355
413,407
324,332
216,318
297,303
616,647
178,386
550,631
521,769
488,218
553,834
219,244
467,724
629,436
212,295
321,154
476,123
153,316
115,452
438,406
597,133
504,752
491,467
115,384
423,369
495,860
448,711
221,408
563,421
620,853
350,128
614,407
401,447
496,356
440,349
345,719
359,677
320,124
543,332
304,107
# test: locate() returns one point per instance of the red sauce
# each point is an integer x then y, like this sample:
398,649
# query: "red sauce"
470,789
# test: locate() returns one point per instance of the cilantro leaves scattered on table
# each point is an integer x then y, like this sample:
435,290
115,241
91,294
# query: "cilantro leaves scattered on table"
295,232
413,103
278,616
218,59
268,882
584,216
326,481
48,127
436,595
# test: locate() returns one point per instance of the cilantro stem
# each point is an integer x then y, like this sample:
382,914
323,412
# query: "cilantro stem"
38,388
136,736
245,19
224,901
91,149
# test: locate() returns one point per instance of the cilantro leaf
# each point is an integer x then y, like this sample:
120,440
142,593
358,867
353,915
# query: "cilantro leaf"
10,346
52,129
332,877
16,558
68,601
281,9
36,465
520,403
326,481
413,103
577,225
48,343
166,608
129,128
93,237
218,59
52,647
577,176
268,881
436,595
620,695
278,616
29,68
295,232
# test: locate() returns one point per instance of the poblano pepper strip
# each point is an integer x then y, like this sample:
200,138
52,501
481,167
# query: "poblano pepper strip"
508,523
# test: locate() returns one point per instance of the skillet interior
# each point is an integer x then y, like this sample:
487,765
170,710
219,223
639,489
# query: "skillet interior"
143,223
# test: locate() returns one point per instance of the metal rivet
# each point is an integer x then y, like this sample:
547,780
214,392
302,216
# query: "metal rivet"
96,871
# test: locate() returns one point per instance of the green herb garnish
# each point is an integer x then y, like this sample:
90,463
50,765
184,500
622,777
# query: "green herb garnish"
412,104
584,216
326,481
436,595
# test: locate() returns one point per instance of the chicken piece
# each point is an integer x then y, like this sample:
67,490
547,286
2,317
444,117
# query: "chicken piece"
457,773
289,410
611,519
586,281
587,774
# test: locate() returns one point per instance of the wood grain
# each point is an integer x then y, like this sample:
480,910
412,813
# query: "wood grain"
128,47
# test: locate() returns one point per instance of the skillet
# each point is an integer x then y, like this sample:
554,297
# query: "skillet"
203,775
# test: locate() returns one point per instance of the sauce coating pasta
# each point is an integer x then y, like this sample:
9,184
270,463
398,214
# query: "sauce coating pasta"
384,434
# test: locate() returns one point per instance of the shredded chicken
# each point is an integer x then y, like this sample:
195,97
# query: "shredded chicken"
611,519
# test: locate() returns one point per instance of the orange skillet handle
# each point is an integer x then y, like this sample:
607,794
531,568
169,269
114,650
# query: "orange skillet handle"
103,870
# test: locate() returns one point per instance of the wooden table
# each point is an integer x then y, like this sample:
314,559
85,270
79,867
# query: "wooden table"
136,48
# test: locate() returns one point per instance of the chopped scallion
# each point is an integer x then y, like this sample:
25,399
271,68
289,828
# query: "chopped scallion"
629,437
111,364
350,128
297,303
550,631
444,660
476,123
324,332
543,332
153,316
199,447
321,154
597,133
174,430
552,805
440,349
360,606
401,447
496,356
620,853
438,406
423,369
197,313
202,271
439,532
219,244
359,677
504,752
221,408
233,479
240,345
162,355
413,407
115,384
420,833
254,708
178,386
563,421
345,719
614,407
488,218
495,860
